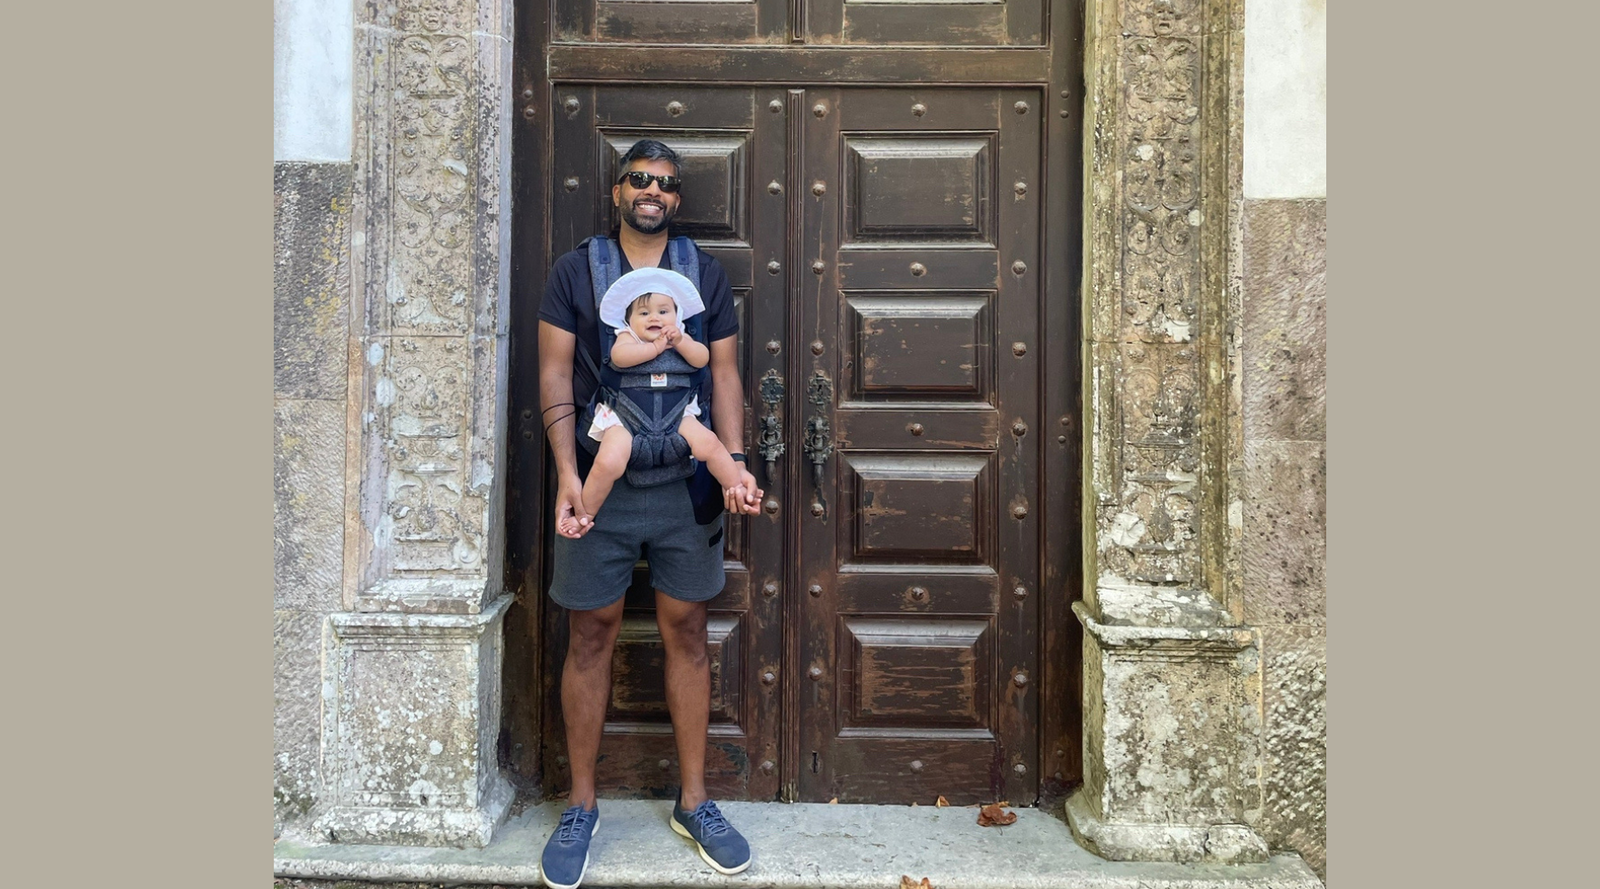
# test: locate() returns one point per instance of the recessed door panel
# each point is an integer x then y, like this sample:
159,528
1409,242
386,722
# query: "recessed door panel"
917,188
928,508
672,21
914,673
918,346
930,22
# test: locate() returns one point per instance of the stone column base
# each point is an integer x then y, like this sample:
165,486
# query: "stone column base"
468,827
410,724
1219,843
1172,732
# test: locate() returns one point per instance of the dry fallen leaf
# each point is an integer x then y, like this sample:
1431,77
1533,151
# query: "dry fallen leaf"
834,801
992,815
906,883
941,802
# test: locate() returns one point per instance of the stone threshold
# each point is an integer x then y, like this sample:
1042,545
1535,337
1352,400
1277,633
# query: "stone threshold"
798,846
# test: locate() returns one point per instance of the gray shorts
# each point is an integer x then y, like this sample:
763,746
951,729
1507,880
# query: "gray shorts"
656,523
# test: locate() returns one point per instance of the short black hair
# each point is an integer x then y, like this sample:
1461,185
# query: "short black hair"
650,150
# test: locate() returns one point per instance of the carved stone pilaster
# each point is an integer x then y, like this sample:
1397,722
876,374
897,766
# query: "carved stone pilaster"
430,240
411,715
1172,683
413,666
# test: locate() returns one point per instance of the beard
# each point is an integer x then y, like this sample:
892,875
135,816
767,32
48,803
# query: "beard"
648,225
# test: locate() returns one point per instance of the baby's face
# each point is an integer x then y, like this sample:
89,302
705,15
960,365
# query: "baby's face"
651,317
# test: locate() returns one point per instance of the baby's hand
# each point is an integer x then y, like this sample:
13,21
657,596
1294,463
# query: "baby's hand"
671,336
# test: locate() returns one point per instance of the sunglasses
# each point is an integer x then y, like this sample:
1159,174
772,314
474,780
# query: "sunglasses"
641,180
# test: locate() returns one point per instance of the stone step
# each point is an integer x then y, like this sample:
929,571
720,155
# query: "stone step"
800,846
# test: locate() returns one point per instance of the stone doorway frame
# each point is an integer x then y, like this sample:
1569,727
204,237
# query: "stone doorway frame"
1172,692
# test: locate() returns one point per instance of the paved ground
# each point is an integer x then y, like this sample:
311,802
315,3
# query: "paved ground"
801,846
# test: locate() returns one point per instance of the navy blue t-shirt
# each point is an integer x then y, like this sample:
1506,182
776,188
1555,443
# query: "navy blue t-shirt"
569,304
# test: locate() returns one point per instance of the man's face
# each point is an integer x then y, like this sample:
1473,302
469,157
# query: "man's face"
646,210
650,317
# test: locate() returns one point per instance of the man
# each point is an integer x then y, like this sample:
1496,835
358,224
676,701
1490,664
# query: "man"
684,544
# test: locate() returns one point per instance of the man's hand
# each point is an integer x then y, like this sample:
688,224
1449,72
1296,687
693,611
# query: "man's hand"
746,498
571,518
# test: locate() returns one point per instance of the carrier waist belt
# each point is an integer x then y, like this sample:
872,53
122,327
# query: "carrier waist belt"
660,452
648,381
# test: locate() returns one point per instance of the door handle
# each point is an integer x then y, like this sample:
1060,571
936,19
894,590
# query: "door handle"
770,444
819,436
819,447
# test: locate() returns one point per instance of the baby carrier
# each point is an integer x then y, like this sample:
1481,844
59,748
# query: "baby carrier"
648,398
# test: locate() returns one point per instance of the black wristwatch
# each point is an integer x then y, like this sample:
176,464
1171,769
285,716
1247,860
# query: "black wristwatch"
738,457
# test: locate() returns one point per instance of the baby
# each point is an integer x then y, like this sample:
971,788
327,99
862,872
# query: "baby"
652,327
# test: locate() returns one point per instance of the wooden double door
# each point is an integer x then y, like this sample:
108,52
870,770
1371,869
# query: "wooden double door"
880,637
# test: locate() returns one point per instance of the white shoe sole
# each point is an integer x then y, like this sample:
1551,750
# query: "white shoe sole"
574,885
682,831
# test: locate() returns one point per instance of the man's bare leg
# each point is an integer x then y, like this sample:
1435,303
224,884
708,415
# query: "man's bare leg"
586,690
688,669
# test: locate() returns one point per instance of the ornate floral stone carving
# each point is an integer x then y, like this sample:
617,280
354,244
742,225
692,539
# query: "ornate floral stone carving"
1149,530
1148,521
1160,190
434,179
431,516
431,275
1161,17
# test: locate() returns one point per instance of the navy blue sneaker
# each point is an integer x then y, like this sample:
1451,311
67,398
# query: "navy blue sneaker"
720,845
566,855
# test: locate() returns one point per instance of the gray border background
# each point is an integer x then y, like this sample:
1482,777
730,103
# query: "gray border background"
140,359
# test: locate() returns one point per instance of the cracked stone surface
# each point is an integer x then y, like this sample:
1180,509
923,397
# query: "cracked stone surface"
311,279
1284,550
296,714
1297,742
1285,320
308,504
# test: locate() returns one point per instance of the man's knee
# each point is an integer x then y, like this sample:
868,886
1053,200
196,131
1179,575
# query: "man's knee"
683,628
592,634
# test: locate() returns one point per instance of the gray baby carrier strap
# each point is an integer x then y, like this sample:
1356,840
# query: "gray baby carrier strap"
660,453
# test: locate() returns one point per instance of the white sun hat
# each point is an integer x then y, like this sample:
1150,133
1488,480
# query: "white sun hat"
629,287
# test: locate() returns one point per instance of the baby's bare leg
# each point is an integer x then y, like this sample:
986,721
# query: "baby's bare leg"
616,446
708,449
